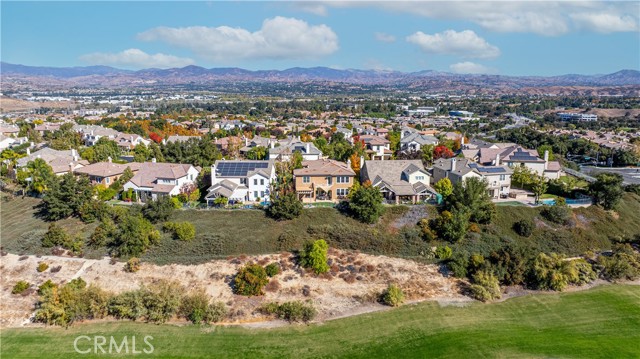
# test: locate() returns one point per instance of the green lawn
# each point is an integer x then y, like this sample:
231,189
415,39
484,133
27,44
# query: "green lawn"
598,323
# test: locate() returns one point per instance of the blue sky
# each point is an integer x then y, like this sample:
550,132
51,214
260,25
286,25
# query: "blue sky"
509,38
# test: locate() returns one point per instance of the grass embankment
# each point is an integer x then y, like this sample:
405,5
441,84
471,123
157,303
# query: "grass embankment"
598,323
222,233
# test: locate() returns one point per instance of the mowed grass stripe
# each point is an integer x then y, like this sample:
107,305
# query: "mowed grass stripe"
599,323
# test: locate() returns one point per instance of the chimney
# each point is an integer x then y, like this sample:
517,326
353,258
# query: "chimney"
109,159
153,160
246,141
462,140
546,159
73,152
308,148
349,162
453,164
272,144
28,151
361,161
71,167
496,162
213,174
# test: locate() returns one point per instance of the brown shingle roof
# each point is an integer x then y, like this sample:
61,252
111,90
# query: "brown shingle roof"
324,167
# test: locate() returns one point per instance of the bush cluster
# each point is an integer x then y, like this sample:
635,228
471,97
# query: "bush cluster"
314,256
42,266
250,280
296,311
20,287
524,227
132,265
272,269
184,231
393,296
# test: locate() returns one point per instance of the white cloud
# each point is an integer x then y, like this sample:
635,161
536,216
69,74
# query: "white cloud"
464,43
549,18
311,7
381,36
373,64
605,23
468,67
136,58
279,38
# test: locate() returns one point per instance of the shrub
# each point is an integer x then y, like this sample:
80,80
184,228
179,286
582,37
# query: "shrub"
184,231
427,233
554,272
161,301
443,252
272,269
451,226
393,296
314,256
557,213
365,204
485,286
585,272
250,280
458,264
623,264
20,287
524,227
128,305
42,266
46,287
132,265
473,227
291,311
158,210
285,207
195,307
55,236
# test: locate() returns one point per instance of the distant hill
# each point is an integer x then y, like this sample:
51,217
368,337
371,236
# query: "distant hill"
109,76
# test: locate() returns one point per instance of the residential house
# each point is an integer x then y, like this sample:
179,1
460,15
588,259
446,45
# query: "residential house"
242,181
92,133
308,150
106,173
323,180
457,170
176,138
47,127
415,141
10,142
517,156
155,179
128,141
378,148
60,161
347,133
9,130
400,181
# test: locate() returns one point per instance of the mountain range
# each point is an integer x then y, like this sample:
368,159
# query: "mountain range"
110,76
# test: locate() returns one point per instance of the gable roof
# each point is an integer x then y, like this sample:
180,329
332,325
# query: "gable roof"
394,174
420,138
325,167
149,172
107,169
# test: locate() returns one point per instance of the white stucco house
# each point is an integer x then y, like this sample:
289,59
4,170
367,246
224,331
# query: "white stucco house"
458,170
242,181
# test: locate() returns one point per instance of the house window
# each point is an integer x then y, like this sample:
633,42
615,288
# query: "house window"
107,180
306,179
329,181
503,177
255,194
262,182
342,191
261,193
243,181
255,181
420,178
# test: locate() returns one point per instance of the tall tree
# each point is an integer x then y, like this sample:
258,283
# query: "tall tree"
607,190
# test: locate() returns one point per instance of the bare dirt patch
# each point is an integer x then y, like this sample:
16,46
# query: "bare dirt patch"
352,286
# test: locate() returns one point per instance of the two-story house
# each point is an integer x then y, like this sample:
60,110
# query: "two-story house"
458,170
323,180
155,179
415,141
241,181
308,150
378,148
399,181
105,173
